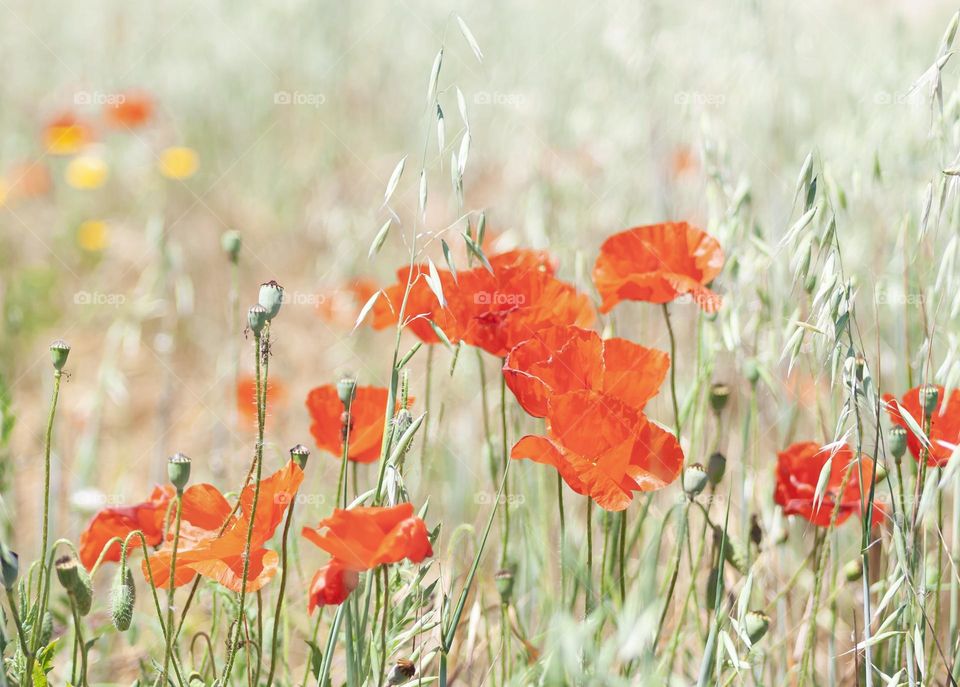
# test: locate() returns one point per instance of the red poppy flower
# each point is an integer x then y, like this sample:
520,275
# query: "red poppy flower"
603,448
66,135
247,396
558,360
496,311
131,110
422,304
366,421
657,264
944,424
120,521
332,585
366,537
203,550
798,471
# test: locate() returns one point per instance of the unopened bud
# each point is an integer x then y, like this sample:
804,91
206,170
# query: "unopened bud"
756,624
271,298
853,570
504,581
59,352
694,479
9,567
299,455
76,580
231,242
716,467
123,596
751,371
178,470
719,395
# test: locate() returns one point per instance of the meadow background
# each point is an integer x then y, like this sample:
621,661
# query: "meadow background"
584,120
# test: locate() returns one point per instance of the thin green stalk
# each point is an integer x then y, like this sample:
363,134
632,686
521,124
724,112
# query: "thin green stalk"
506,458
563,529
674,574
77,626
171,588
588,580
673,369
283,586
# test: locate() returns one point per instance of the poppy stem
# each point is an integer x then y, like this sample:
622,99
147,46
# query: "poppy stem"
673,369
43,584
506,458
171,588
563,530
588,580
674,574
280,592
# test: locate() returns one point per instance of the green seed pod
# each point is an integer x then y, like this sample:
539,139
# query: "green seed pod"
716,467
751,371
504,581
178,470
853,570
9,567
756,624
231,243
123,595
346,391
694,480
257,318
59,352
898,441
719,395
929,396
299,455
271,298
76,580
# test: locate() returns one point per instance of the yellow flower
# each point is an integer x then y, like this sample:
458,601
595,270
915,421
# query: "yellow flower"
92,235
65,136
87,172
178,162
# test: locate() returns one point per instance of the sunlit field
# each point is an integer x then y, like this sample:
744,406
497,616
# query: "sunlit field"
483,344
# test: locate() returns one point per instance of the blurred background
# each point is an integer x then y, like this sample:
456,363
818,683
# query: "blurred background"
284,122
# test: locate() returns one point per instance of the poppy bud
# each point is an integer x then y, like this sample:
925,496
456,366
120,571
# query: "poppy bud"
346,390
231,242
751,371
756,532
299,455
504,582
271,298
402,671
719,395
756,624
929,396
853,570
257,318
123,595
178,470
76,580
694,480
59,352
9,567
898,441
716,467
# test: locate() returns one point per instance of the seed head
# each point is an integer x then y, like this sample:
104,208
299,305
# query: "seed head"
231,242
853,570
347,390
9,566
929,396
59,352
719,395
76,581
257,318
299,455
178,470
271,298
504,581
716,467
694,480
756,624
751,371
898,441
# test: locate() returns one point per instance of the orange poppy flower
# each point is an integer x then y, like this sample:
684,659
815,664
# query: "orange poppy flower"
798,471
131,110
119,521
66,135
28,179
658,263
366,421
558,360
363,538
331,585
496,311
421,307
247,396
603,448
944,424
203,550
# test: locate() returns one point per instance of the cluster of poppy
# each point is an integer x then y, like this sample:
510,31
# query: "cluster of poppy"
68,134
